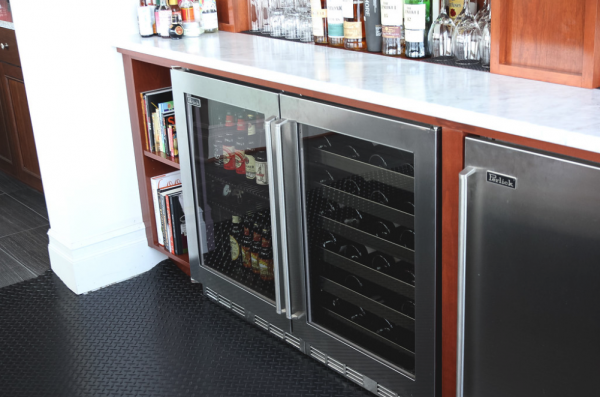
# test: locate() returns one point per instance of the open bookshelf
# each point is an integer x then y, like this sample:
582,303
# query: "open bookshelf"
140,77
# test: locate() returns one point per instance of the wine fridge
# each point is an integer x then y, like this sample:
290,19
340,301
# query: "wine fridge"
317,223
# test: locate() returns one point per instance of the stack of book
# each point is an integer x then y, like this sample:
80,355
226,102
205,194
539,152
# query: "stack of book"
168,210
159,114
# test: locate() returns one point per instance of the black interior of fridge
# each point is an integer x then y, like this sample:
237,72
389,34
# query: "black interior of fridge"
232,189
359,208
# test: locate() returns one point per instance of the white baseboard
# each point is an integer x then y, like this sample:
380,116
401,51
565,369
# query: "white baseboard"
103,261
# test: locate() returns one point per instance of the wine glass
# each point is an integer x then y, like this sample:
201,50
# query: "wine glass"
440,35
485,43
465,41
483,14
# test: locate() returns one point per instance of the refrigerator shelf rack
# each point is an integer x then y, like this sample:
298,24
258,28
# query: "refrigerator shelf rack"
368,333
365,170
368,239
369,274
367,303
246,208
368,206
224,176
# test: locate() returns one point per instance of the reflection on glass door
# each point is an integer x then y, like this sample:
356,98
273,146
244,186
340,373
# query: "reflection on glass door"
359,203
232,190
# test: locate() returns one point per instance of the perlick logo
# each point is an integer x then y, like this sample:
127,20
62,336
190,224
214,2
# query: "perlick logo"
504,180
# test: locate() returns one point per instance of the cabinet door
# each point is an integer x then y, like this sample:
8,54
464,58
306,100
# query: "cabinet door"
18,121
7,159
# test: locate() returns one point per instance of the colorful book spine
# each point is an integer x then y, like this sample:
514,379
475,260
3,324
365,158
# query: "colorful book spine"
146,122
171,147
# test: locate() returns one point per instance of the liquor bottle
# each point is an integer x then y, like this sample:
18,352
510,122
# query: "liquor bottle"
217,130
335,23
240,145
256,241
247,242
319,20
235,239
197,12
354,25
229,151
354,251
262,172
209,16
251,146
392,16
164,16
145,20
417,21
175,28
373,25
456,7
265,258
157,18
187,11
191,27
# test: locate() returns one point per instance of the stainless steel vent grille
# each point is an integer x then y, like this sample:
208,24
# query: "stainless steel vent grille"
385,392
317,355
224,301
278,332
261,323
292,340
212,294
336,365
238,309
354,376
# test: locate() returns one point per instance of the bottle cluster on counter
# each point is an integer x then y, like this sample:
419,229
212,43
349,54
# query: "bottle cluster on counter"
390,27
175,19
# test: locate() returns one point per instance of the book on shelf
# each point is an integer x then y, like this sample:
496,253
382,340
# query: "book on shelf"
172,179
167,119
165,215
150,102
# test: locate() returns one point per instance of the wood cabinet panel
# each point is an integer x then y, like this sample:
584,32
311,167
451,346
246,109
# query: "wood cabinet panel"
16,110
10,52
7,163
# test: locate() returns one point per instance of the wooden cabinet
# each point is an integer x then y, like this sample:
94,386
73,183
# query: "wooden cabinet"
18,155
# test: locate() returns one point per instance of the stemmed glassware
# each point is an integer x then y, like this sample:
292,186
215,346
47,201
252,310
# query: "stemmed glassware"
483,14
465,41
485,43
440,35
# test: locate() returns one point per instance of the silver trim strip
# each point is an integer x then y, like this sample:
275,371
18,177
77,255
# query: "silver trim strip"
283,221
462,266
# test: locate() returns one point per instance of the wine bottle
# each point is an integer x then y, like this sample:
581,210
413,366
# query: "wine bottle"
351,312
145,20
235,239
240,145
217,130
251,147
354,283
381,228
209,16
354,185
164,17
381,262
265,257
330,242
408,308
322,142
373,25
256,241
417,20
354,25
247,242
383,194
350,151
403,236
351,217
262,171
354,251
229,143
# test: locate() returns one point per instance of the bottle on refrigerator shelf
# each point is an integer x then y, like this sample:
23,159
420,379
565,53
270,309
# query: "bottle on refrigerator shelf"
354,283
247,242
240,145
265,258
235,239
354,251
319,20
229,150
373,25
354,185
262,172
218,142
164,16
403,236
354,25
381,228
335,23
210,23
392,17
351,312
352,217
381,262
251,146
257,227
417,21
330,242
145,20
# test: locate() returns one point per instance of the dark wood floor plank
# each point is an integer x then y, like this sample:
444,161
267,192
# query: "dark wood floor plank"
15,217
32,199
11,271
30,248
8,184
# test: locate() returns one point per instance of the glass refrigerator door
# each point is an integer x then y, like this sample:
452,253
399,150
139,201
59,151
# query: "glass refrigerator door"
369,214
234,252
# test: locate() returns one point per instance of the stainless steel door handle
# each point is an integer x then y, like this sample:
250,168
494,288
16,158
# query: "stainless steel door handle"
283,221
271,158
462,265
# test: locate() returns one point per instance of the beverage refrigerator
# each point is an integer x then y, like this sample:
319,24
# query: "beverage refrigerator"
317,223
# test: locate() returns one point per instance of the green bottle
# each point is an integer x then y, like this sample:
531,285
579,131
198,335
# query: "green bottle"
417,21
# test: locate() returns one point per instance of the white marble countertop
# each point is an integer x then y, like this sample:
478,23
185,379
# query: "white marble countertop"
548,112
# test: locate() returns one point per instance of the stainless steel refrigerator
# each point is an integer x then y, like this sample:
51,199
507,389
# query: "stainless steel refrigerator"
348,203
529,273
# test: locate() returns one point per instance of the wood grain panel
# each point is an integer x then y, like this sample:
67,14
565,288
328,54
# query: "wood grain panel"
10,53
453,143
6,148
